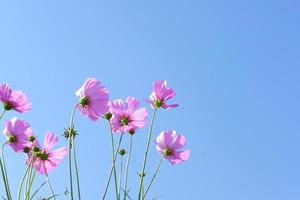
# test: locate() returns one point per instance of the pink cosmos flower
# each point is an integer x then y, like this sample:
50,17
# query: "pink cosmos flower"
46,159
93,99
16,100
126,117
168,144
161,94
15,132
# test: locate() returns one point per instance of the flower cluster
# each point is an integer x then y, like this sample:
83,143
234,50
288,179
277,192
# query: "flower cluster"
123,116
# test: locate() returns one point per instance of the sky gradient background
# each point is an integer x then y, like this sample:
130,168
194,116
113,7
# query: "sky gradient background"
234,66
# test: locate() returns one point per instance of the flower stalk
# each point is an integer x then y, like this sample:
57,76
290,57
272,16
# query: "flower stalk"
146,154
70,138
127,166
5,171
113,167
153,177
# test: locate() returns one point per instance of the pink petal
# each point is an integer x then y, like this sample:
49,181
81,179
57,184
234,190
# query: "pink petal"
179,142
131,105
50,140
138,118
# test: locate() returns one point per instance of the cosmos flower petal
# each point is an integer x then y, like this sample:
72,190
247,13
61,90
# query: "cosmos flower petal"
59,153
184,155
139,117
179,142
50,140
131,105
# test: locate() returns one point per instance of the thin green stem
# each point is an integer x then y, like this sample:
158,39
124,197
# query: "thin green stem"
28,182
76,170
37,190
120,176
69,150
23,178
49,184
2,113
31,179
127,166
113,168
22,182
5,170
146,154
153,177
3,177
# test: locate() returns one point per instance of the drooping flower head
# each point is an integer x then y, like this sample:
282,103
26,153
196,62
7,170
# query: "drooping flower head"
168,144
15,132
46,159
161,94
126,116
93,99
15,100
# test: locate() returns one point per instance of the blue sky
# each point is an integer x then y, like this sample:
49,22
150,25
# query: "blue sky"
233,64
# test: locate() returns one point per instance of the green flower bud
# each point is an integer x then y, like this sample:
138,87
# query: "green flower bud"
122,152
108,116
26,150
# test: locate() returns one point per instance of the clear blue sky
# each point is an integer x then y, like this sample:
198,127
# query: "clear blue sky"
234,65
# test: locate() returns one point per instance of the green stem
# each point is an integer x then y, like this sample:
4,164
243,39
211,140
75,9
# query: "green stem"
113,168
22,181
26,175
69,150
2,113
3,177
28,180
146,154
49,184
31,179
153,177
27,183
120,177
127,167
76,170
5,171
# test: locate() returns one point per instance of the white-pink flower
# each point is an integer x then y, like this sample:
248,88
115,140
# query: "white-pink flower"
161,94
15,132
169,145
15,100
45,159
126,116
93,99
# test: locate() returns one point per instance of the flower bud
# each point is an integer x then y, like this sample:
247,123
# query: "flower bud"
36,149
26,150
31,138
108,116
142,174
131,131
122,152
